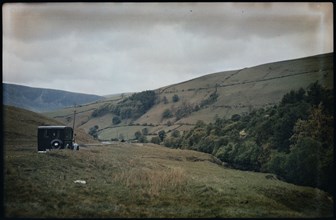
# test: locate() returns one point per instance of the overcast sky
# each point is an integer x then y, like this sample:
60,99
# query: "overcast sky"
108,48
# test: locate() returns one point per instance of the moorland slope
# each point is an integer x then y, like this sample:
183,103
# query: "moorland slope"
20,127
223,94
41,100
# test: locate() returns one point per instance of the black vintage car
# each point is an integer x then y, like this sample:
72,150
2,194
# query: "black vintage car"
54,137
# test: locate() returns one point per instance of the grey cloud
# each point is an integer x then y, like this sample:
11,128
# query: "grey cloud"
73,44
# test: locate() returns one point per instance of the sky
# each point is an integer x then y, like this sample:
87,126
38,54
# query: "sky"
110,48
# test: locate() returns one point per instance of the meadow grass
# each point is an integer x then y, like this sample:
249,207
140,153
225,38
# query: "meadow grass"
124,180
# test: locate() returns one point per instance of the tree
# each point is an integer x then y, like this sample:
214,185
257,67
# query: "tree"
155,140
144,131
121,137
176,134
303,162
165,100
293,96
162,135
142,139
116,120
167,113
172,142
93,131
176,98
137,135
235,117
312,151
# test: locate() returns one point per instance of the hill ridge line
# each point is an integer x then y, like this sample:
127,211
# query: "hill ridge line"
248,82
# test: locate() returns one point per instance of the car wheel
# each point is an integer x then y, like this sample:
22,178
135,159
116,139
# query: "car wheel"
56,144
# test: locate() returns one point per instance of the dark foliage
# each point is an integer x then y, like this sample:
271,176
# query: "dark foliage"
131,107
176,98
293,140
116,120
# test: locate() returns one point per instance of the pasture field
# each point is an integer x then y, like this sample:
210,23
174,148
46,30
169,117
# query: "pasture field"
146,180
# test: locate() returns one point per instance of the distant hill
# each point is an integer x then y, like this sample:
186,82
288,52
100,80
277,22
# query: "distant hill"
20,127
221,94
42,100
238,91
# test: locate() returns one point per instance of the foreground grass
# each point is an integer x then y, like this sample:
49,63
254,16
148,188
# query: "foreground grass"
124,180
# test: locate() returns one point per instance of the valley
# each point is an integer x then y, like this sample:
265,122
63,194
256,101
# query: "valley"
171,153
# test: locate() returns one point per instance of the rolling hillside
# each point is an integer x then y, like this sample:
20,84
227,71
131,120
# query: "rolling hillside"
41,100
20,127
220,94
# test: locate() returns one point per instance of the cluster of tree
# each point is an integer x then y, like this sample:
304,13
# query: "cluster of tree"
210,100
185,109
175,98
131,107
141,135
93,131
293,140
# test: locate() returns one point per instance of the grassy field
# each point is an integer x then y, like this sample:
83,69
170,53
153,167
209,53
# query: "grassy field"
136,180
128,131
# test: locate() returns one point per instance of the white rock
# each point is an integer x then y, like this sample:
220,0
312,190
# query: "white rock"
80,181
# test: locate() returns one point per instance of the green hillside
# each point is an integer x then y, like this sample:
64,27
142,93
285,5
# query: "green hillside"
20,127
220,94
146,180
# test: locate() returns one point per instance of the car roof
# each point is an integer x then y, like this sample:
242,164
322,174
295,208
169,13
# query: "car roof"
52,126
